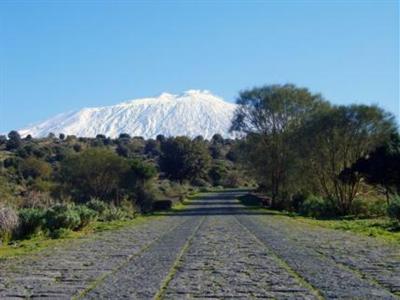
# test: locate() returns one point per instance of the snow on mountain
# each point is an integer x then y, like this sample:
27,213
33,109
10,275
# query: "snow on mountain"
191,113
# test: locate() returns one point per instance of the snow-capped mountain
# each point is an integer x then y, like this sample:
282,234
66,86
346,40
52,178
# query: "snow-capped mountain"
191,113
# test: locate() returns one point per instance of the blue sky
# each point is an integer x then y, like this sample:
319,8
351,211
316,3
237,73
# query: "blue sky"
58,56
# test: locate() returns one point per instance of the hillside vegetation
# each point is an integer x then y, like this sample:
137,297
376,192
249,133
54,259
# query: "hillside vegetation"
303,154
55,185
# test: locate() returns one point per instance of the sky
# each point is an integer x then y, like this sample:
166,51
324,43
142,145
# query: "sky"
58,56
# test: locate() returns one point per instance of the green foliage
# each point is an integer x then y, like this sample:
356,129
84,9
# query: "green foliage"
218,172
93,173
394,208
86,215
364,207
381,167
35,168
152,148
145,199
335,139
315,207
32,221
139,172
184,159
114,213
12,162
14,141
60,233
97,205
271,115
62,216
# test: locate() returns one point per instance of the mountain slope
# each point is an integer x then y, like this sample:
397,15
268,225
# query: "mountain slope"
191,113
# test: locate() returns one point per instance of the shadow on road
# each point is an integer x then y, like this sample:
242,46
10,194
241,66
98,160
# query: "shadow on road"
218,203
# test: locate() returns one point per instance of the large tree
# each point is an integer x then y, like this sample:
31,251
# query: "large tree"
381,167
270,115
183,159
335,139
14,140
93,173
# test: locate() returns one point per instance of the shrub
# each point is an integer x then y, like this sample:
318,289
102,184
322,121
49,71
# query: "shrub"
130,209
394,208
97,205
369,207
315,207
162,204
114,213
145,199
36,199
232,180
8,223
60,233
86,215
31,221
200,182
62,216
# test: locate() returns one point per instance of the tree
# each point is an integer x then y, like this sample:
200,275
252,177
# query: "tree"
124,136
270,115
160,138
93,173
35,168
152,148
183,159
334,140
218,172
14,140
3,140
139,172
217,139
381,167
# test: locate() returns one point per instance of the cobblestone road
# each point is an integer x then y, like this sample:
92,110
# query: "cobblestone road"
214,249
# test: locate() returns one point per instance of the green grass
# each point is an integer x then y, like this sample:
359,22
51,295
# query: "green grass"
41,241
35,244
382,228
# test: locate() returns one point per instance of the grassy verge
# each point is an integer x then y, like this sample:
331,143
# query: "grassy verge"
382,228
40,242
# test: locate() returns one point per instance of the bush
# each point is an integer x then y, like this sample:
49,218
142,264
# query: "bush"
394,208
162,205
31,221
8,223
60,233
315,207
62,216
36,199
86,215
200,183
130,209
369,207
114,213
145,200
97,205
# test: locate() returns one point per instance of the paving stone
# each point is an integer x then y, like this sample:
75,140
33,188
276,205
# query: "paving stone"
214,249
